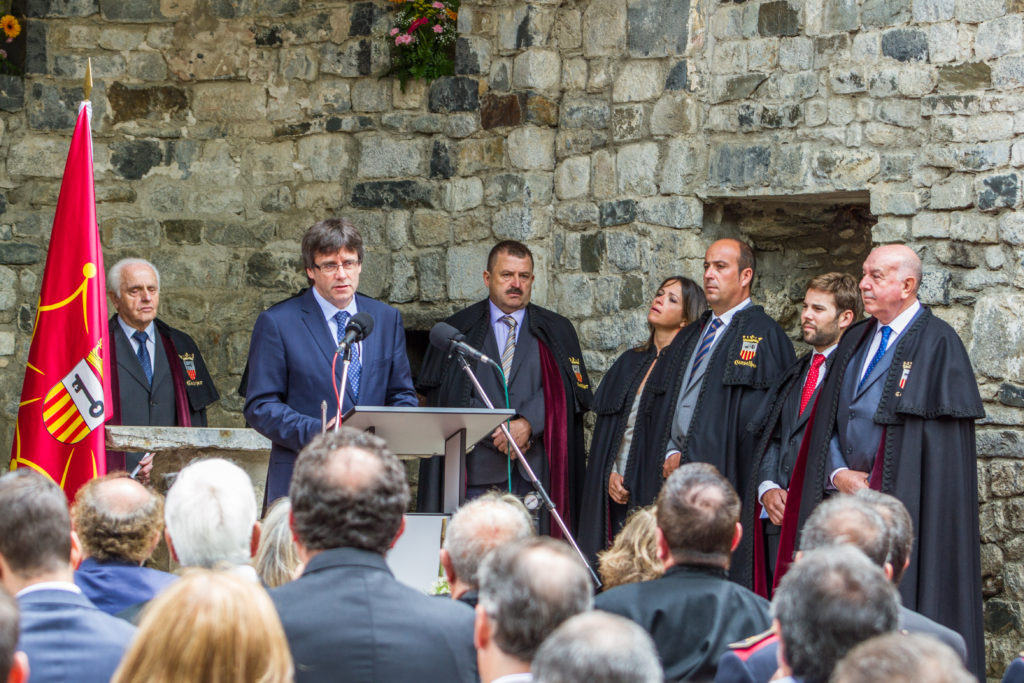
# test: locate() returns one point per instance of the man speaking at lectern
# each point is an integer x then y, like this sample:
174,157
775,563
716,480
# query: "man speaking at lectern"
293,345
547,387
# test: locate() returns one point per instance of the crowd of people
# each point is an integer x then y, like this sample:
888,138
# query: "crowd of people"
752,515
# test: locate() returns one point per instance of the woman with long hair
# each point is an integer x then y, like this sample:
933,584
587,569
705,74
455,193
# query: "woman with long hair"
610,489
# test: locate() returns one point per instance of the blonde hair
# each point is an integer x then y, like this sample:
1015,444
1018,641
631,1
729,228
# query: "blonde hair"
277,557
634,553
209,627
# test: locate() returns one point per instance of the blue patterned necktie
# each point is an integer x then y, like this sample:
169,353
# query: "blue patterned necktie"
886,331
705,344
354,366
143,354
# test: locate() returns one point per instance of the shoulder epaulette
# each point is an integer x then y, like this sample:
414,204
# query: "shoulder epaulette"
748,646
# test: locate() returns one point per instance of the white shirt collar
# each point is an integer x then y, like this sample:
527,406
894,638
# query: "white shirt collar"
727,317
50,586
900,322
828,352
129,330
330,310
497,314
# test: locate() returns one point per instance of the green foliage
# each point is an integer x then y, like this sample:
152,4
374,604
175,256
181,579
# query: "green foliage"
422,40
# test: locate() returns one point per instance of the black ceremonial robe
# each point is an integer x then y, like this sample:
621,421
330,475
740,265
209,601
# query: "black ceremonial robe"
612,403
731,393
928,409
567,396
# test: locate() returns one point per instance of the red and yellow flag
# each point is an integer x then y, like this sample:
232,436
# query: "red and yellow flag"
65,397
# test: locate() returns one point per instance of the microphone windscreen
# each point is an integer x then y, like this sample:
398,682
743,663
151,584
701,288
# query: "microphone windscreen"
442,333
363,322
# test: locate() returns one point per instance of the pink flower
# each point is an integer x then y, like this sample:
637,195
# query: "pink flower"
438,5
438,28
403,40
416,24
3,54
393,32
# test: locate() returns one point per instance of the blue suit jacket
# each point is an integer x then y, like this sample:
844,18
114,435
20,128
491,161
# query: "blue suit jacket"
290,374
114,586
67,638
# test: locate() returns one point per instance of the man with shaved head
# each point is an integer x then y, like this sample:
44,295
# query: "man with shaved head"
347,618
896,414
119,523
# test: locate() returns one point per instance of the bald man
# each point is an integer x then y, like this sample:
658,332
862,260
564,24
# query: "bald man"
896,414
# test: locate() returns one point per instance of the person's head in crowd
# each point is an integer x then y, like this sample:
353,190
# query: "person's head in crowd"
633,555
831,304
332,253
36,541
902,658
211,515
698,514
892,275
348,491
13,664
209,626
847,520
597,647
118,519
899,524
133,285
527,588
729,266
828,602
509,275
678,301
477,528
277,558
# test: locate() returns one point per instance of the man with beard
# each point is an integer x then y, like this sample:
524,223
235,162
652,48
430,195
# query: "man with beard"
711,382
896,414
547,387
831,304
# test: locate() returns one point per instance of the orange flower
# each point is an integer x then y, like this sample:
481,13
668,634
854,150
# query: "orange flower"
10,26
451,15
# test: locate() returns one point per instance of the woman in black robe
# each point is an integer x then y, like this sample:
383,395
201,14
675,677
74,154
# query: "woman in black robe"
608,492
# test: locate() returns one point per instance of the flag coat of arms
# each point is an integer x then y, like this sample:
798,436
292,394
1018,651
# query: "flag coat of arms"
749,348
65,398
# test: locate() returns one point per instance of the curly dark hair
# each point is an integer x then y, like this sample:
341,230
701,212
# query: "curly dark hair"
116,518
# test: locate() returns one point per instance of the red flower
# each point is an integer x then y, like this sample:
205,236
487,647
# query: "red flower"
416,24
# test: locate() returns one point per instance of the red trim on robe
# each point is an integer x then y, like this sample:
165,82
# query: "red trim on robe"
787,538
556,444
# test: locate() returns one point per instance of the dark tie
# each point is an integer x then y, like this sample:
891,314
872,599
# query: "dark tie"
705,343
886,331
812,380
341,317
143,353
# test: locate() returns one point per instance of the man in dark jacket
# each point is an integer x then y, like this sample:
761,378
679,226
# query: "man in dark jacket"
347,618
694,611
547,387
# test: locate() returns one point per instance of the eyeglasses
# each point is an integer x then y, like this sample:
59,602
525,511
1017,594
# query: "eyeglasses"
332,268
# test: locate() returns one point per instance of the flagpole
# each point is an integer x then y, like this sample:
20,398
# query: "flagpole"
87,86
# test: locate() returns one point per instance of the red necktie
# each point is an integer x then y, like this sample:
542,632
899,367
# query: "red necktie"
812,380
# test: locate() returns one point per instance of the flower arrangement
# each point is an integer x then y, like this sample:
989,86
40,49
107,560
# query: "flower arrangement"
422,39
11,28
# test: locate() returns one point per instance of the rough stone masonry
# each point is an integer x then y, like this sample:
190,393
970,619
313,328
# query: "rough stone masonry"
617,137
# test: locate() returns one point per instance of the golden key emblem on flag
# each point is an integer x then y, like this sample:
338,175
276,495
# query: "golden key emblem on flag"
74,406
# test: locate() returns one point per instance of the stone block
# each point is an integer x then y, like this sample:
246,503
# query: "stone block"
572,178
573,292
925,11
974,11
133,159
889,229
672,212
998,37
677,77
618,212
846,169
905,45
574,74
997,347
657,28
603,174
455,93
604,28
778,19
884,12
540,110
584,113
462,194
576,215
523,223
394,194
624,250
796,54
674,113
942,43
382,156
12,93
978,157
430,228
353,58
532,148
1001,191
740,165
52,108
726,88
1008,72
628,122
131,10
432,275
19,253
956,192
568,29
1011,229
638,81
518,188
966,76
592,252
971,226
523,26
501,110
229,101
898,202
537,69
682,163
325,158
61,8
371,95
636,168
475,155
841,15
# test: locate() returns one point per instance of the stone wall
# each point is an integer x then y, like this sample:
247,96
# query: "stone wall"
617,137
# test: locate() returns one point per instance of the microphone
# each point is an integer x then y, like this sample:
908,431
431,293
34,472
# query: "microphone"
357,329
446,337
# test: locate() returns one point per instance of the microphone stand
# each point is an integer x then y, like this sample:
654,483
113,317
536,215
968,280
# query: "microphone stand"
346,359
538,487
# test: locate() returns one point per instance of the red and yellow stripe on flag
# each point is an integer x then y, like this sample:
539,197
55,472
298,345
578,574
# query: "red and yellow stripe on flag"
65,396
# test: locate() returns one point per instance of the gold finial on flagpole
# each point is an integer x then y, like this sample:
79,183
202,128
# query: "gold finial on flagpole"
87,86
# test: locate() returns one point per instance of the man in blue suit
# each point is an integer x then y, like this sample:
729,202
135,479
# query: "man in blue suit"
64,635
293,345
